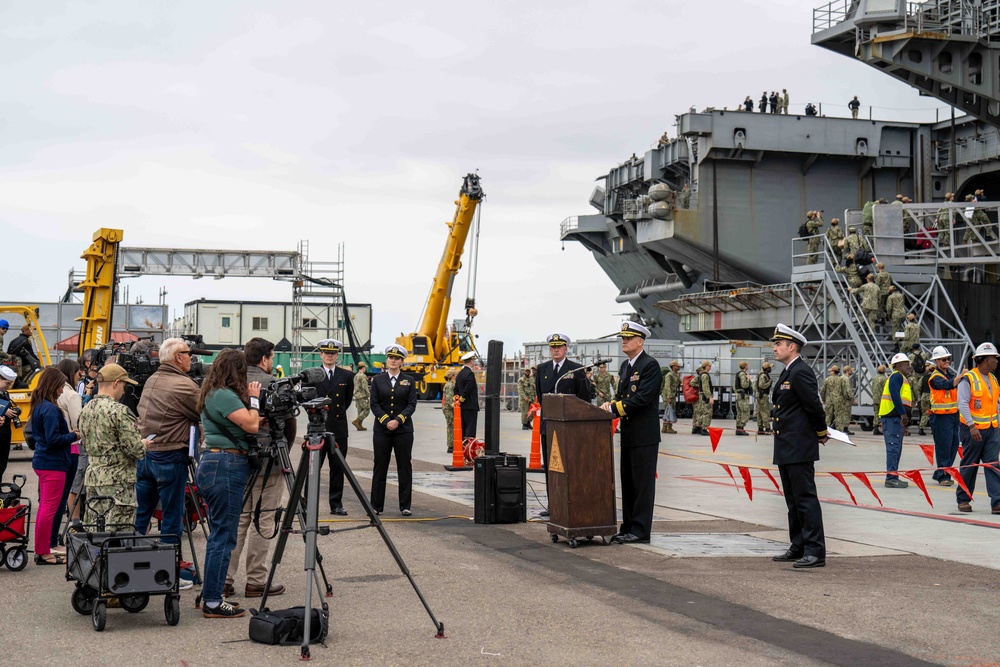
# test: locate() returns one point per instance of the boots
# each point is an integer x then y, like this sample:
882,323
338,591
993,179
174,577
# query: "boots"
877,430
741,431
356,423
921,431
667,428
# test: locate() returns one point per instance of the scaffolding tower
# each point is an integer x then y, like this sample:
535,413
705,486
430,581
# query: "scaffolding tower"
317,303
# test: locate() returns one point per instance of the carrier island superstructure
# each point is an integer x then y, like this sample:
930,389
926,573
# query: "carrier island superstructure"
730,264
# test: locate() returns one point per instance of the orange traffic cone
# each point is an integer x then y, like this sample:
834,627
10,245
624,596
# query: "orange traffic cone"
458,453
535,460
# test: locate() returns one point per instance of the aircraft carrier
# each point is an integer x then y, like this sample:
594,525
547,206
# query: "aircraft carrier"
753,176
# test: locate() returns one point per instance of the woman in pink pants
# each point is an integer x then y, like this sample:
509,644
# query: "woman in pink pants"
51,460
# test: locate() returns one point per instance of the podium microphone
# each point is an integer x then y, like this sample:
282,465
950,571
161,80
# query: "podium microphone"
573,371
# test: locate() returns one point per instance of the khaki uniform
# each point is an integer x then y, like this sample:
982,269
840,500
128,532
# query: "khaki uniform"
114,446
525,396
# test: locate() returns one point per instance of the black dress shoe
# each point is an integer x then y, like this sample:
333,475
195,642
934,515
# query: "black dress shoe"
629,538
339,511
787,557
809,561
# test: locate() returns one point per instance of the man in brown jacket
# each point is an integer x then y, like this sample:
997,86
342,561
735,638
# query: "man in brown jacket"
168,409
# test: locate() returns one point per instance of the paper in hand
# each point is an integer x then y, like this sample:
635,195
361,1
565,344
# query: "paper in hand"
839,435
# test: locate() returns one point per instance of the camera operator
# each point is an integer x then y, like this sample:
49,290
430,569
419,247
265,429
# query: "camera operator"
87,386
168,409
339,388
224,468
20,348
267,489
7,377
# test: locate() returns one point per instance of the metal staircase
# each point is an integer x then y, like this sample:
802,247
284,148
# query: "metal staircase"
947,49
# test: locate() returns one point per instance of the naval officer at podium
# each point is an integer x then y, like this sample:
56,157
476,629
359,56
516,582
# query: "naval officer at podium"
637,404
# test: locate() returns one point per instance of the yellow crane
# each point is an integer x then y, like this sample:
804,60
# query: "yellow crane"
433,346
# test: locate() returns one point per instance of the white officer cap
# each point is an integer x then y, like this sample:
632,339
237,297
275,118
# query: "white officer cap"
468,355
940,352
396,350
330,345
556,339
899,356
784,332
632,329
986,350
7,373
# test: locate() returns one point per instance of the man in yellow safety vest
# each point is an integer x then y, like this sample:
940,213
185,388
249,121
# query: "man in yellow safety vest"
894,409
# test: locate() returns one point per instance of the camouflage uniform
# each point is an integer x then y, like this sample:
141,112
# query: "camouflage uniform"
448,408
982,221
866,218
834,236
869,301
884,280
668,392
828,394
686,198
878,384
853,279
842,415
702,408
606,387
895,310
742,386
911,336
362,397
114,445
812,226
525,396
853,243
762,385
944,227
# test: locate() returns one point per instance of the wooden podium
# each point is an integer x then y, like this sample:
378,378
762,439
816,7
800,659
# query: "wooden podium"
581,479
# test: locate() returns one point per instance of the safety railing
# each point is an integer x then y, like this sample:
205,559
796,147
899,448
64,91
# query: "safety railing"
832,14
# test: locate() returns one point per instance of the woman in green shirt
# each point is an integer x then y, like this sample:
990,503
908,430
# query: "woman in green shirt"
229,412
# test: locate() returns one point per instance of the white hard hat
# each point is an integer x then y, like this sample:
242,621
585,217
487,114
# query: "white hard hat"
940,352
987,350
898,357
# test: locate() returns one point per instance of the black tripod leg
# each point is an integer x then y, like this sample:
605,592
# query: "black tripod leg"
202,520
385,537
294,501
286,464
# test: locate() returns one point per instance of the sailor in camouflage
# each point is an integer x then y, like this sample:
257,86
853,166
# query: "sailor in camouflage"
362,396
895,309
884,281
114,446
706,401
605,385
835,235
944,217
813,226
762,390
686,197
911,334
851,270
829,393
742,386
980,222
448,407
526,396
852,242
843,414
668,392
869,300
878,384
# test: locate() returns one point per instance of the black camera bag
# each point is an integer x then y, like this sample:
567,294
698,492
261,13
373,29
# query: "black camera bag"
286,626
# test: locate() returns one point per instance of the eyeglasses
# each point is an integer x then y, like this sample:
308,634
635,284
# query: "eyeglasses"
187,352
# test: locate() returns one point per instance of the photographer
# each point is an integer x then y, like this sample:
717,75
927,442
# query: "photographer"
20,348
7,377
168,409
339,388
87,386
224,469
267,489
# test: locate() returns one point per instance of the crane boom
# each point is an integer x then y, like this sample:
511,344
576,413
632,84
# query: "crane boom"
99,289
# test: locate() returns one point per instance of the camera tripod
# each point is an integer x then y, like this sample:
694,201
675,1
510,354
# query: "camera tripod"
308,476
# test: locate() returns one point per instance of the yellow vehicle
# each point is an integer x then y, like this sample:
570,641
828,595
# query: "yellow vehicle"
95,323
434,348
20,393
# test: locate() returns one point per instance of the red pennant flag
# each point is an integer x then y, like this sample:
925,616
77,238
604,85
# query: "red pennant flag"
955,475
771,477
715,434
726,468
840,478
614,426
864,480
960,454
928,451
914,475
747,483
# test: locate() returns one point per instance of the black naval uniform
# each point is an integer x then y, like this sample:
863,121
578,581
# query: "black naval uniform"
545,383
467,391
392,400
637,405
340,390
799,421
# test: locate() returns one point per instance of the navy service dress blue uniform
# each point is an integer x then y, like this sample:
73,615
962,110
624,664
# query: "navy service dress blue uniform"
566,379
799,422
393,398
636,403
339,388
467,391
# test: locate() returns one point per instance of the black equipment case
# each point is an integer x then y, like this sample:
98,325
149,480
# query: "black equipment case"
501,489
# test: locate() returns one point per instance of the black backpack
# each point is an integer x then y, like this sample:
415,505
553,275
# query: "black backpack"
919,364
286,626
803,231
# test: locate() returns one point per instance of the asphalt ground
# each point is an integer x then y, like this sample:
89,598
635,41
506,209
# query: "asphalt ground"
905,583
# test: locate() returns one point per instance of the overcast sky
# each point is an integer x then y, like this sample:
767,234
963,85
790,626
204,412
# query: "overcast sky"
254,125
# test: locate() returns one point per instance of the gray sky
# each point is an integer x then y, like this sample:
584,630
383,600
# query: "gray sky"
258,124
